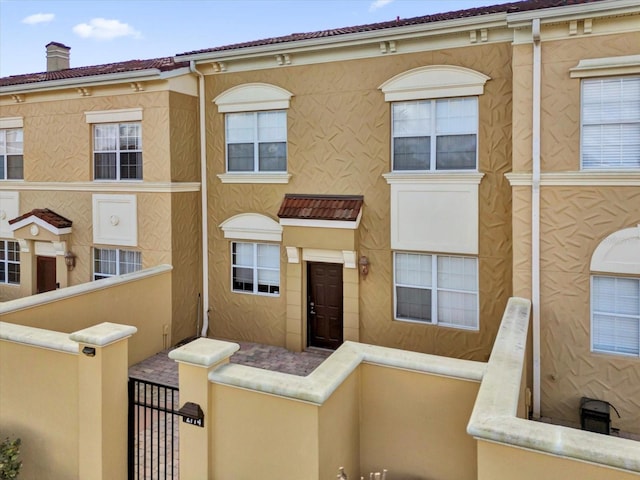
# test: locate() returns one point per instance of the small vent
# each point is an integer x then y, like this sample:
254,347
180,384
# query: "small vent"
595,415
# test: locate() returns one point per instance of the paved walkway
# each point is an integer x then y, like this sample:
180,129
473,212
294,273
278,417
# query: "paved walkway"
161,369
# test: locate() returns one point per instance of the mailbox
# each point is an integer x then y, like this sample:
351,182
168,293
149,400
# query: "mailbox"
192,414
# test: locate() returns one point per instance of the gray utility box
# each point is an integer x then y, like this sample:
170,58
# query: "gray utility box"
595,415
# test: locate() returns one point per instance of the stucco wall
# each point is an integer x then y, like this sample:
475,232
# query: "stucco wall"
339,143
574,220
40,406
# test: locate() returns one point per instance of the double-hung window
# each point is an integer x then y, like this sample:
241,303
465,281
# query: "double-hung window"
615,315
111,262
117,151
439,134
611,123
256,141
436,289
255,268
11,156
9,262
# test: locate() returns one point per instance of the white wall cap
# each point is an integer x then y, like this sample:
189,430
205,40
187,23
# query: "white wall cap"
103,334
204,352
37,337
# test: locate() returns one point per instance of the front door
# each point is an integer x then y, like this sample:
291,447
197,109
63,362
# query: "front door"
46,273
324,305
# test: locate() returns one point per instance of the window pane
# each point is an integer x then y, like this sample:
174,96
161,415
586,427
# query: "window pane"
411,119
14,167
615,304
268,256
131,166
240,157
105,138
130,138
240,127
243,279
242,254
456,152
14,141
273,157
2,159
611,123
457,273
105,166
413,269
413,304
457,116
13,251
458,309
104,263
411,153
13,274
130,261
272,126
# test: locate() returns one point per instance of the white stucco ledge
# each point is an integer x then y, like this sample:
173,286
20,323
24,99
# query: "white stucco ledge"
204,352
103,334
37,337
318,386
494,414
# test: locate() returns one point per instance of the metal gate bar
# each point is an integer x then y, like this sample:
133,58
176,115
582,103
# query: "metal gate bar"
153,430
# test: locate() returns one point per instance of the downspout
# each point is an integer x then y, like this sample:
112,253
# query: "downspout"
535,215
203,199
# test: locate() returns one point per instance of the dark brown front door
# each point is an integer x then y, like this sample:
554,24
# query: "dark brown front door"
46,273
324,305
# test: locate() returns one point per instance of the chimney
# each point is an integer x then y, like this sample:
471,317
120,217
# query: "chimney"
57,57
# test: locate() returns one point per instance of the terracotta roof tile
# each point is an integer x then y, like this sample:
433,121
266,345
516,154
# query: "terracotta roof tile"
162,64
49,216
321,207
510,7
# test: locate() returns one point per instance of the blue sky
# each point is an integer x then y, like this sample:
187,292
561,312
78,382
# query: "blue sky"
102,31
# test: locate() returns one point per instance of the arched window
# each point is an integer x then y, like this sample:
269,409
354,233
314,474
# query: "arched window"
615,294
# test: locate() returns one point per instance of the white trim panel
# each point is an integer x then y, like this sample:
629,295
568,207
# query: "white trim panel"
254,177
435,218
155,187
618,253
434,81
252,226
600,67
115,220
251,97
11,122
114,116
577,179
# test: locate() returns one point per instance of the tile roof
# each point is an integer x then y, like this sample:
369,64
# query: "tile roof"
163,64
321,207
49,216
510,7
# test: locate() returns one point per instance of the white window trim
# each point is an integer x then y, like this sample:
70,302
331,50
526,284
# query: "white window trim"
118,153
11,122
114,116
434,293
618,253
255,269
434,81
606,67
252,227
5,155
251,97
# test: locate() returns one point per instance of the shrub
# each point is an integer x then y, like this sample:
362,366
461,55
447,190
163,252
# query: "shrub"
9,463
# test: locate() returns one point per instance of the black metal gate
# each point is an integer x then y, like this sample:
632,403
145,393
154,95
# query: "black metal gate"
153,430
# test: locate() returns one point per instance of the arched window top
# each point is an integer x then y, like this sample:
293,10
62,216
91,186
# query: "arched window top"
252,226
434,81
251,97
618,253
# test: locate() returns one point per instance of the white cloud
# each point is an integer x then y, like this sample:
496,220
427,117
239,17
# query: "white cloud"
104,29
375,5
38,18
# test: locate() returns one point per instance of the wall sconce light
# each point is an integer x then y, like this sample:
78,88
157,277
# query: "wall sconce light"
364,265
89,351
70,260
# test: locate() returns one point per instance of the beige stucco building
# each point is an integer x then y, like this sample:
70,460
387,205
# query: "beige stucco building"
392,185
